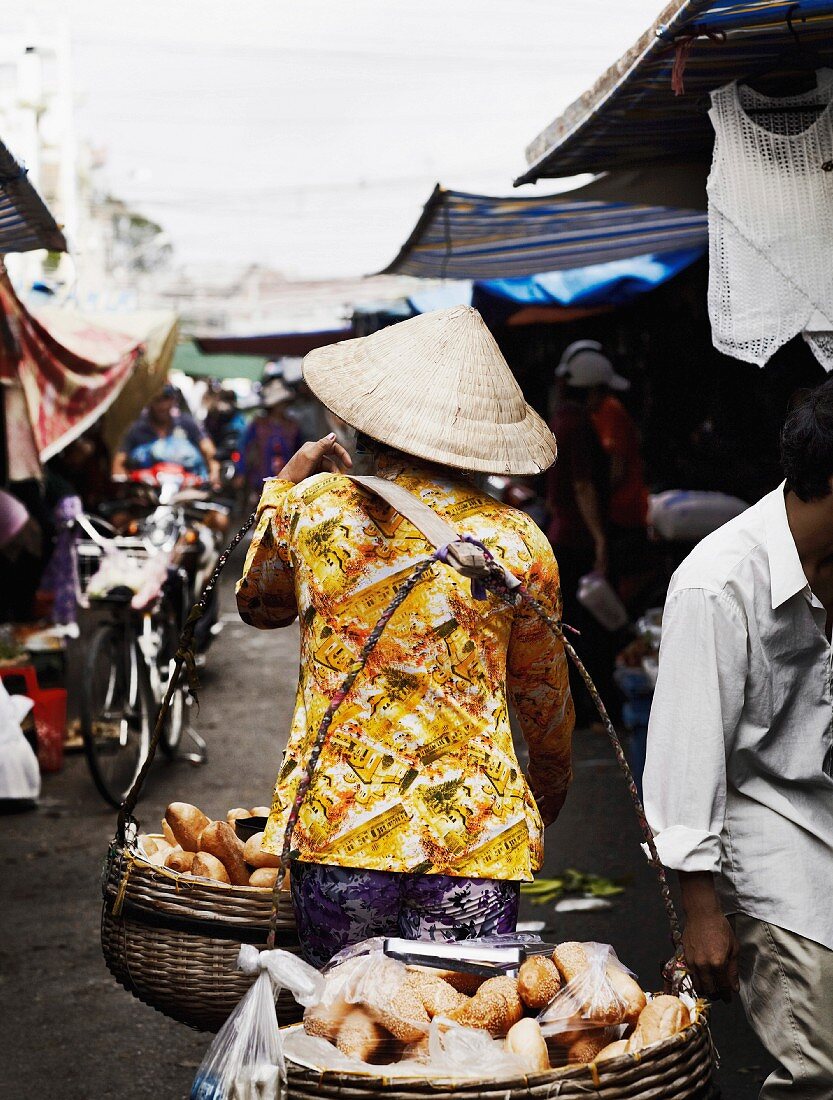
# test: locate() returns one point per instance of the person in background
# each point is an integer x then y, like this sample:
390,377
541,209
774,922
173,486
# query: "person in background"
739,772
21,559
419,821
578,493
589,374
164,434
224,423
270,439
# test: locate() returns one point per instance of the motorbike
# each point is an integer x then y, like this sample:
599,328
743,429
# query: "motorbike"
170,508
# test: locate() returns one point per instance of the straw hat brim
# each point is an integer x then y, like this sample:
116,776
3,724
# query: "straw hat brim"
440,391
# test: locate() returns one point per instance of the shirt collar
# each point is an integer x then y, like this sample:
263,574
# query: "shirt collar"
786,574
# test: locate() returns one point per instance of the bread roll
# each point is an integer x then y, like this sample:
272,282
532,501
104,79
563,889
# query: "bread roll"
630,995
404,1015
457,979
147,844
661,1018
236,814
589,1046
168,834
360,1036
206,865
538,982
180,861
186,823
598,1002
261,811
438,997
254,854
613,1050
525,1039
495,1007
220,840
324,1020
264,877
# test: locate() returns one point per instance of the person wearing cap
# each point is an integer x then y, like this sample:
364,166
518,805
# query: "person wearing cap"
588,371
164,433
270,439
419,820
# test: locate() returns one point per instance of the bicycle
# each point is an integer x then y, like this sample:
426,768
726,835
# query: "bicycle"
130,658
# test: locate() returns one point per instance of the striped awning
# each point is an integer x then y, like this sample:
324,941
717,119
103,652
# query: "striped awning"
631,114
25,222
462,236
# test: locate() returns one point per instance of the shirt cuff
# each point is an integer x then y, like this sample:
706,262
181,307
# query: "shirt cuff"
685,849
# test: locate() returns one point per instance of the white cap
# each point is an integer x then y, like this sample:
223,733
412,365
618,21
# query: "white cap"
584,364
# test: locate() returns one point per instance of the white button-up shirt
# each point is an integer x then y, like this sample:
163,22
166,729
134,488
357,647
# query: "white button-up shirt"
740,742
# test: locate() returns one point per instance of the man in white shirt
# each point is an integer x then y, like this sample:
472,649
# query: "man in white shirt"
739,773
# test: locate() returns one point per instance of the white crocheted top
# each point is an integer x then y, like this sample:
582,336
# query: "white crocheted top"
771,223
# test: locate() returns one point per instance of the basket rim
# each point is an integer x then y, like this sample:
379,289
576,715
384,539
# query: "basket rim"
360,1078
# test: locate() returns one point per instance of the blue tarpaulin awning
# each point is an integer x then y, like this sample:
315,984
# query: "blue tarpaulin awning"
464,236
589,288
25,222
631,114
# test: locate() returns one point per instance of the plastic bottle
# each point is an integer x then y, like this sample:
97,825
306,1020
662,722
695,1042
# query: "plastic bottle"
596,594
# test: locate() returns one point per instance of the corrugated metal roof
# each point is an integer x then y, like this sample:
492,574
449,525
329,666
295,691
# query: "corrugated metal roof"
631,114
25,222
463,236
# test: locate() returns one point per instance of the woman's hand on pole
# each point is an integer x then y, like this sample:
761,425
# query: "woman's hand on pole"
314,458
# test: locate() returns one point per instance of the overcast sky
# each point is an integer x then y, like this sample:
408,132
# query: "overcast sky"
306,134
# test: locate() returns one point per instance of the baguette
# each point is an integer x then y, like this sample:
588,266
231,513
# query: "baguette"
220,840
360,1036
525,1039
589,1046
253,853
599,1002
264,877
661,1018
438,997
495,1007
207,866
168,834
325,1020
236,814
630,995
186,822
180,861
538,982
404,1015
613,1050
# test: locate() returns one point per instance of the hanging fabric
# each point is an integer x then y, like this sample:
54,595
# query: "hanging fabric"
771,221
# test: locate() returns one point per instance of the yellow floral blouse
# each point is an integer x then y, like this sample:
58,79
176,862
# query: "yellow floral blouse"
418,773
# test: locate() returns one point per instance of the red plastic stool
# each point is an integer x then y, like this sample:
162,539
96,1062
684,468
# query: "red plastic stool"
50,714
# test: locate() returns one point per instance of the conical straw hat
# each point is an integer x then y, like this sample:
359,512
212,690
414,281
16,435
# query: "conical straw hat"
435,386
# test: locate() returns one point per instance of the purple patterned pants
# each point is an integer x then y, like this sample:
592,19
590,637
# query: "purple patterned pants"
338,906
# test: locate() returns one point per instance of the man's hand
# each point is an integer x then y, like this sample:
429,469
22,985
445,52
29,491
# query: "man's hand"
313,458
710,945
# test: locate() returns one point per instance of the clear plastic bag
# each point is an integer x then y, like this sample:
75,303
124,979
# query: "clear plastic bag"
597,1003
245,1061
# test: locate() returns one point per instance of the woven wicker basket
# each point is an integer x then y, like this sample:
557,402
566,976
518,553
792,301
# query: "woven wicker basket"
679,1068
173,941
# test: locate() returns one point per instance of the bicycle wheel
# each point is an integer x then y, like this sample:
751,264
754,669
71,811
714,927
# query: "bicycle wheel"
116,710
165,662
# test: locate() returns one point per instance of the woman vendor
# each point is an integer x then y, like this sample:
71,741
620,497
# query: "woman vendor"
419,821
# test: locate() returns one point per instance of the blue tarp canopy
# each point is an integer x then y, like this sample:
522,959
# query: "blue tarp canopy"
463,236
597,286
25,222
631,114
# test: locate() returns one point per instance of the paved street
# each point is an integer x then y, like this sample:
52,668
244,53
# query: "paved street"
71,1032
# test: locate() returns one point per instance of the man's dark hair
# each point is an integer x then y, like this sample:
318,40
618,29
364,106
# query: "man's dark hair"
807,444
